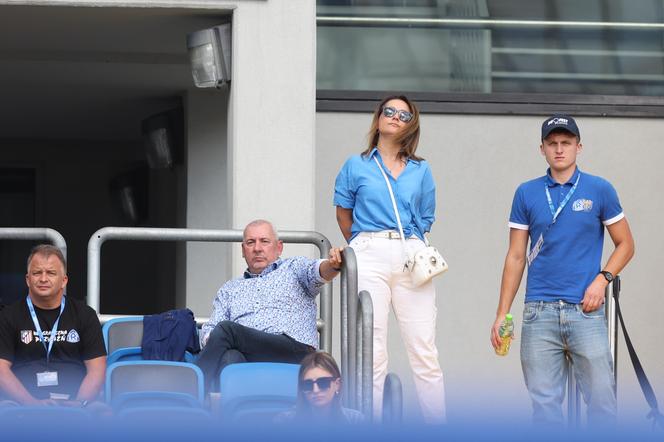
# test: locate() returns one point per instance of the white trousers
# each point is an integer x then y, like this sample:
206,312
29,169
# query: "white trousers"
380,264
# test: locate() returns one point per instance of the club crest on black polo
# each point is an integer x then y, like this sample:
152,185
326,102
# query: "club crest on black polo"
26,336
73,336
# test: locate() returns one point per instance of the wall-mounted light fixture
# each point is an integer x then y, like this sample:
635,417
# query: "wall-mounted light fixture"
163,138
210,56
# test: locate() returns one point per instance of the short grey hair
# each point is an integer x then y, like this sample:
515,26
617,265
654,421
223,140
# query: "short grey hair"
47,250
260,222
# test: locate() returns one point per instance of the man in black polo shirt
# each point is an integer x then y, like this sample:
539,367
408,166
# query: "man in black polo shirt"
51,346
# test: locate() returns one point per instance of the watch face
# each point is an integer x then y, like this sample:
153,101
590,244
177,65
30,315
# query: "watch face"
608,276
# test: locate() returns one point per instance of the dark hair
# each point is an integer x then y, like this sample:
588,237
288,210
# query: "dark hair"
408,139
47,250
325,361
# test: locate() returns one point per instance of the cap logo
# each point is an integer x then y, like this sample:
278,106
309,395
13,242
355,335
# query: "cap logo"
557,121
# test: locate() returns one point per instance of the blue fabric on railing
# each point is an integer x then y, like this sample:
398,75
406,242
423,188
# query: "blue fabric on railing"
168,335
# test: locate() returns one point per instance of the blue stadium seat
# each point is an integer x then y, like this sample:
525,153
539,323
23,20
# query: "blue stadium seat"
142,399
29,415
154,382
123,336
136,354
257,390
124,332
165,416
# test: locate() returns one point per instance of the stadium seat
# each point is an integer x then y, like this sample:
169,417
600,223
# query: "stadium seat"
154,382
257,390
123,333
163,415
123,337
28,415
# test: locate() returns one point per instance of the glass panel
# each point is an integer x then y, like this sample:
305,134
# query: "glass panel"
483,46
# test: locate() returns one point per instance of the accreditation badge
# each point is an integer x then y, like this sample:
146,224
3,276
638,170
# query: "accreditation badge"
47,379
536,249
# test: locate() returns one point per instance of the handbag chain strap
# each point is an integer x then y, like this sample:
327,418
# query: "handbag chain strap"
396,212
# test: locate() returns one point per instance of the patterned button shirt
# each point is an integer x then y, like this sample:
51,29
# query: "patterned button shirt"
280,300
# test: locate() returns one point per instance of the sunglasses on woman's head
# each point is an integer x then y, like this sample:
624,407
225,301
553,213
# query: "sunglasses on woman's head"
323,383
404,116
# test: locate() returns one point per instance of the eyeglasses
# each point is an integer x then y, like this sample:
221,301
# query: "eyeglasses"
307,385
404,116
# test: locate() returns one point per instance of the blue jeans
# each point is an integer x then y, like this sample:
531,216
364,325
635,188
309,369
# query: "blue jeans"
553,332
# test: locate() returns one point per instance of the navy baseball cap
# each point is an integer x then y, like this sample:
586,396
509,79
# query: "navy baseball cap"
560,122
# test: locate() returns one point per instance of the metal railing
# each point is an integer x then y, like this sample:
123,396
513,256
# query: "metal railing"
393,400
167,234
35,233
573,392
356,338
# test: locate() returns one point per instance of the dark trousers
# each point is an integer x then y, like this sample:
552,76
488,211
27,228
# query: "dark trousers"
230,343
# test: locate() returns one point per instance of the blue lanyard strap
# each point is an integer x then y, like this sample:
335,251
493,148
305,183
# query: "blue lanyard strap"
555,212
35,321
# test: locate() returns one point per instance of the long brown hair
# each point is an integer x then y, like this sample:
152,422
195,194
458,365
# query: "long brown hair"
408,139
325,361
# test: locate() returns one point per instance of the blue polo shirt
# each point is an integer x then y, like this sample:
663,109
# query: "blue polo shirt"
572,252
360,186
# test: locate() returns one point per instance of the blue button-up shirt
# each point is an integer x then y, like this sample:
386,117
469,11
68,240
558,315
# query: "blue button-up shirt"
360,186
280,300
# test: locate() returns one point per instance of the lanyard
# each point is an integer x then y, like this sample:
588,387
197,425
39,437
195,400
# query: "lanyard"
35,321
555,212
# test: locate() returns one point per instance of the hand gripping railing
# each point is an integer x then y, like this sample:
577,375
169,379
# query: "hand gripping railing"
573,393
165,234
35,233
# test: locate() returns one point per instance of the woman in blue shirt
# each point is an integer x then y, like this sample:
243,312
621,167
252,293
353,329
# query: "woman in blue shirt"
367,220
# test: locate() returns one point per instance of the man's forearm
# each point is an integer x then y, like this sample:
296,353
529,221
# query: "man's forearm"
13,388
327,271
512,274
93,380
620,257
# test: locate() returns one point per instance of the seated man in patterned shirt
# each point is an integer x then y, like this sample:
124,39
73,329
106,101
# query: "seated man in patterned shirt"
269,314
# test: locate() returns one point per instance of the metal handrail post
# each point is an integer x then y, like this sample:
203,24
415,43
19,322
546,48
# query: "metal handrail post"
392,400
613,292
173,234
343,311
348,311
365,326
32,233
573,393
36,233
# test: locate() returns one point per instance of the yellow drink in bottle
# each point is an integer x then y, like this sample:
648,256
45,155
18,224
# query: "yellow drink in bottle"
505,332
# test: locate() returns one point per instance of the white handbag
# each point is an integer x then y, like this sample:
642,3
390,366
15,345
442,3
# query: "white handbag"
426,262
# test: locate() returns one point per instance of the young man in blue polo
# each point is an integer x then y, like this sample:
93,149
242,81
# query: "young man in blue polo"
564,213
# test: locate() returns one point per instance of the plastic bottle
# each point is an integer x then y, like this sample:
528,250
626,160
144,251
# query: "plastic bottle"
506,332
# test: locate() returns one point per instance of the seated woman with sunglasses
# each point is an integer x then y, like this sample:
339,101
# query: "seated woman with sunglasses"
367,220
318,395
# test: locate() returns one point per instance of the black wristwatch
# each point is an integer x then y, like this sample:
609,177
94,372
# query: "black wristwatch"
607,275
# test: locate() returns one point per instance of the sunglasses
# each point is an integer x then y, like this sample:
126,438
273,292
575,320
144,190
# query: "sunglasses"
404,116
323,383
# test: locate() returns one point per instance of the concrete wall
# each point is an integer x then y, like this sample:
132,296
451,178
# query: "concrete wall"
478,161
207,195
254,157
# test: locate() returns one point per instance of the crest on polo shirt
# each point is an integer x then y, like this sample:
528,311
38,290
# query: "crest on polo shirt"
73,336
582,205
26,336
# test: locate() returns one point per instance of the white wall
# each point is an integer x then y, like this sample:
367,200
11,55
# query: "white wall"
207,195
267,169
272,117
478,161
